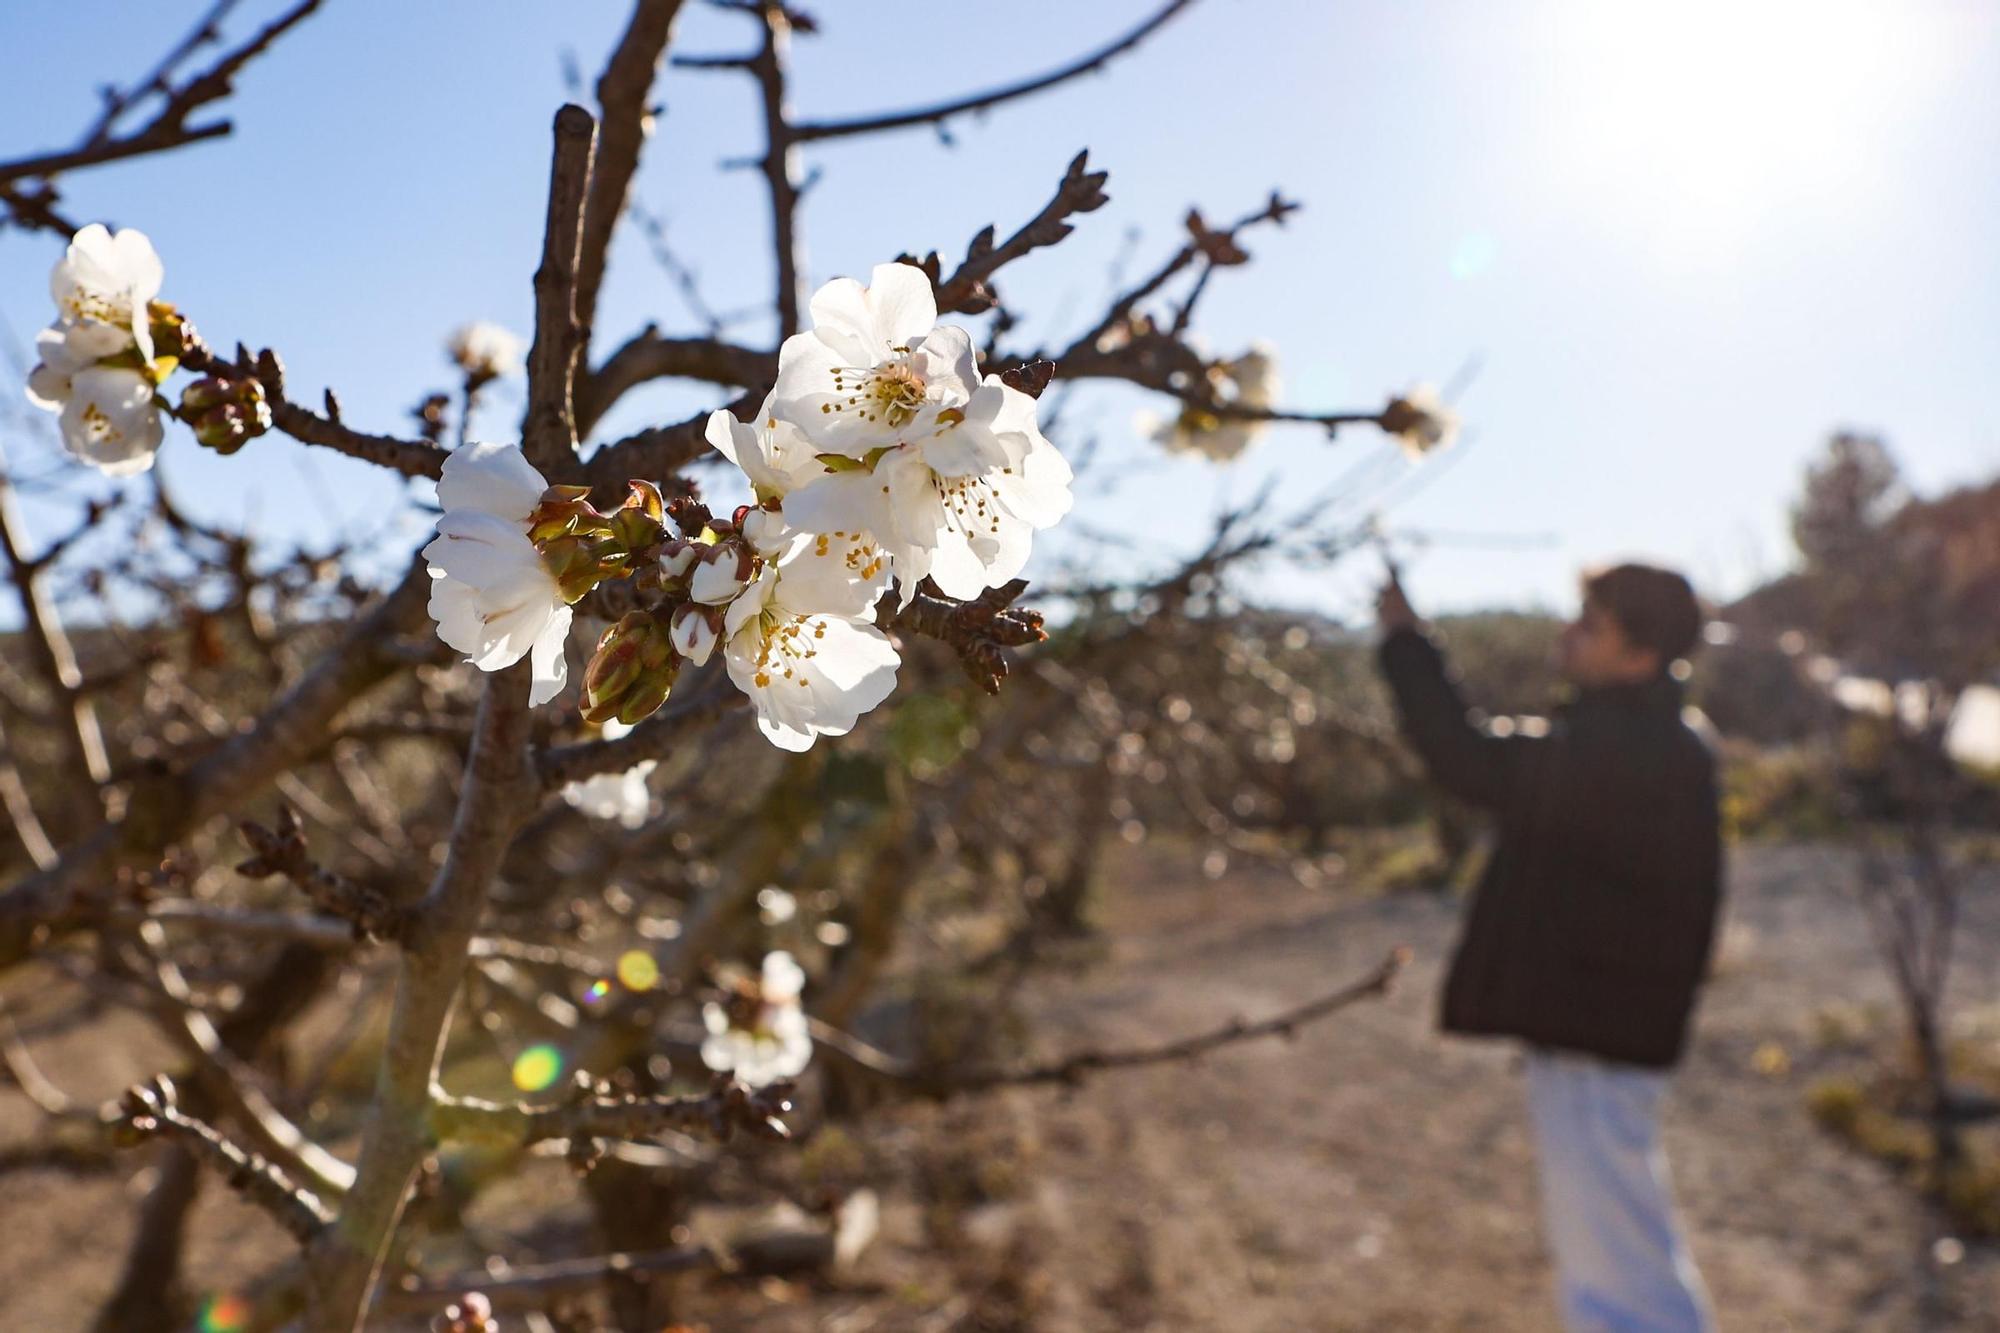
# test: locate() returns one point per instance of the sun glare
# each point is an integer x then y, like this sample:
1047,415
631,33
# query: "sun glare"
1710,115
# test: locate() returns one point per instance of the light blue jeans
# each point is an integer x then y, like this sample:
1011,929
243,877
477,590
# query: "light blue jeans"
1607,1208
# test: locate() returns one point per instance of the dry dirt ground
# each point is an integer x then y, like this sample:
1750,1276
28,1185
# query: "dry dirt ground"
1372,1175
1368,1175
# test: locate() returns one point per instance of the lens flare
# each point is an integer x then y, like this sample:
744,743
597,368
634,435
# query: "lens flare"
595,992
224,1314
537,1067
1474,254
637,970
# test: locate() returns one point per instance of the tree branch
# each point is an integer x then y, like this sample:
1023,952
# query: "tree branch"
149,1109
723,1111
649,356
534,1284
548,431
368,912
87,767
168,128
498,794
926,115
780,164
1079,191
162,807
659,452
412,458
625,122
979,631
1072,1069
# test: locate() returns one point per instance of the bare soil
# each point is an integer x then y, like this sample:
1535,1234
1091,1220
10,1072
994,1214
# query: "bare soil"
1368,1175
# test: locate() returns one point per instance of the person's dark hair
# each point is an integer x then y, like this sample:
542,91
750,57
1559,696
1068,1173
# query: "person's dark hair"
1656,608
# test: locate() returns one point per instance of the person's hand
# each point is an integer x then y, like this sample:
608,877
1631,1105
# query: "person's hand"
1392,608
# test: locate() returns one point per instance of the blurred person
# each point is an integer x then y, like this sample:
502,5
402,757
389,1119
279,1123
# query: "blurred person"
1589,934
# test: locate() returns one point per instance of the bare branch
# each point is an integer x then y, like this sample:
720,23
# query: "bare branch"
48,647
149,1109
649,356
499,792
169,126
625,122
1072,1069
659,452
533,1284
780,163
979,631
927,115
548,432
412,458
724,1110
1079,191
283,852
161,807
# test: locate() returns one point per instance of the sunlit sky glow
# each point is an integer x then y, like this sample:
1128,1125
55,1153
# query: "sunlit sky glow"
1681,242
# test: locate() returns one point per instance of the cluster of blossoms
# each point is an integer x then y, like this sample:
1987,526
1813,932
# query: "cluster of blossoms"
759,1032
880,456
100,364
111,347
1249,381
486,351
1420,422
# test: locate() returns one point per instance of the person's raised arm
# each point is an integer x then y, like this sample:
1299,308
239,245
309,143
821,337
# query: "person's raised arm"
1460,758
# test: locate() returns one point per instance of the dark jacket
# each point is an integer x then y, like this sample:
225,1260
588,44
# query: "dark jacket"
1591,927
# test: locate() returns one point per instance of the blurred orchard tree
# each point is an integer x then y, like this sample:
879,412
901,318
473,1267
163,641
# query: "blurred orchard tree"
265,805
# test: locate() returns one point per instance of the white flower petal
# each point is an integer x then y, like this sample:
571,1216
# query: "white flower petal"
550,663
111,421
495,478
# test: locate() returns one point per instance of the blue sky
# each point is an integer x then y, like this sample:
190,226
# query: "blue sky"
1684,240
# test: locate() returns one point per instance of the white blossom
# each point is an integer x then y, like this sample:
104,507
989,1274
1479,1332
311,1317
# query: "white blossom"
721,573
1250,381
1420,421
763,1037
487,350
101,288
620,796
694,632
800,640
492,596
874,370
110,419
775,455
949,473
960,506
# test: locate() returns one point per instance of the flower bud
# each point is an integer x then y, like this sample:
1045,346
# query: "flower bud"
677,558
695,631
174,336
204,394
225,413
724,570
635,530
631,672
646,498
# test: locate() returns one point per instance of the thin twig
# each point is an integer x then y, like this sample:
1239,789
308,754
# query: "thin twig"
168,129
149,1109
625,123
936,1082
811,131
